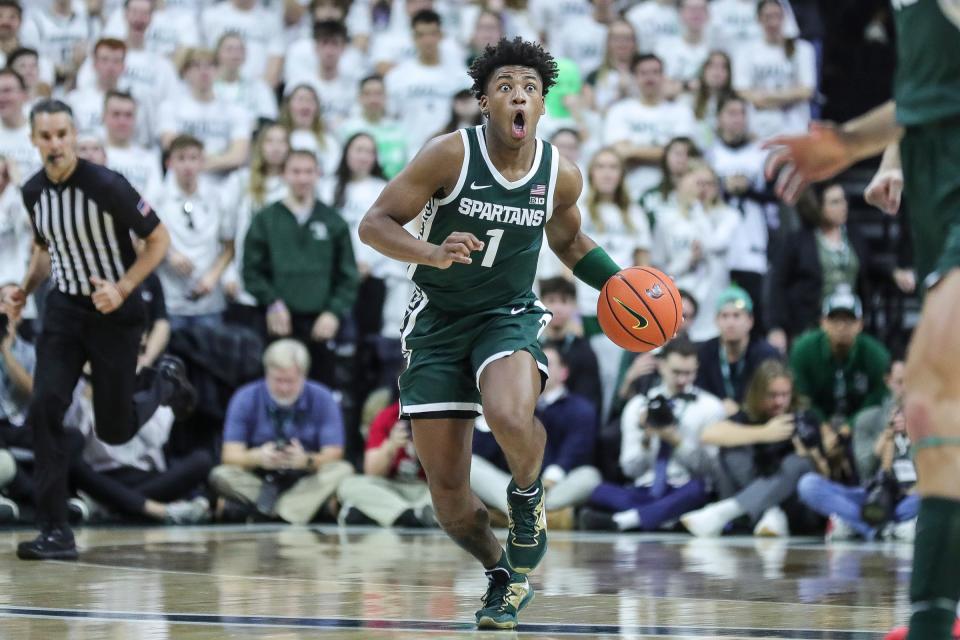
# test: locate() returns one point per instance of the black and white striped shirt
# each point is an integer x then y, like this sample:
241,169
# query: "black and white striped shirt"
85,222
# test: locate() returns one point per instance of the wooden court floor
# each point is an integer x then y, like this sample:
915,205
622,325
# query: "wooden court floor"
277,582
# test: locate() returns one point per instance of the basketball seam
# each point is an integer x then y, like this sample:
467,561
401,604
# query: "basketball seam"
606,295
679,315
640,298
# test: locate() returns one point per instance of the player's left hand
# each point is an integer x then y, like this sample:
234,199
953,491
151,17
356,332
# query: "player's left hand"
325,327
884,190
107,296
798,161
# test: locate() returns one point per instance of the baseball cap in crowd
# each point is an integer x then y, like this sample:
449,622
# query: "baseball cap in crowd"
735,296
842,302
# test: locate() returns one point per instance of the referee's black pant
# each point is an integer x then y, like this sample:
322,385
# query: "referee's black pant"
75,333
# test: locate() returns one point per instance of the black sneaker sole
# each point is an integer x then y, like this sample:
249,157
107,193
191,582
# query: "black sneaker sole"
65,554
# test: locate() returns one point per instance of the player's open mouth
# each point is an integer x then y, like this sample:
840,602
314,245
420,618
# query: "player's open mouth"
519,127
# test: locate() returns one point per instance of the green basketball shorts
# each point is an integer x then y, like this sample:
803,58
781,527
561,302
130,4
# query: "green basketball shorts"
446,354
930,155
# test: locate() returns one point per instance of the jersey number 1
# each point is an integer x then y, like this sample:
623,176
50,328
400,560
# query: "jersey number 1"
491,254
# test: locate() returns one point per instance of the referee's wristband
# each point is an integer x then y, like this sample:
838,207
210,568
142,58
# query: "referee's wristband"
595,268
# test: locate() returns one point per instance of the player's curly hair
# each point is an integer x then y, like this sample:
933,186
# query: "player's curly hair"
517,52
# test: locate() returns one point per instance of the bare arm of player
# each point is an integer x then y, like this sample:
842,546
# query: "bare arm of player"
827,150
564,236
435,168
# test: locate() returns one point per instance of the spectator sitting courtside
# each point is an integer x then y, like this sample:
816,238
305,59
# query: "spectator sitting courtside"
282,440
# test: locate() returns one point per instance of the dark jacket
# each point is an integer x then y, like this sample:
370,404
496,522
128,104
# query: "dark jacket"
584,371
310,267
710,374
798,280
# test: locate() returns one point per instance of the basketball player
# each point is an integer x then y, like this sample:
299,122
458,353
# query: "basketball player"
924,121
485,196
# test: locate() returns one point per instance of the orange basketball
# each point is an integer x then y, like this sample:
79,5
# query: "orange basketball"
640,309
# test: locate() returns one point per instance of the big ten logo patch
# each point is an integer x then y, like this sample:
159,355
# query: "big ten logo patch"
319,231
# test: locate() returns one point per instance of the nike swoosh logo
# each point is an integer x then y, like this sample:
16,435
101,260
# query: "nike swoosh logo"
476,187
514,312
641,321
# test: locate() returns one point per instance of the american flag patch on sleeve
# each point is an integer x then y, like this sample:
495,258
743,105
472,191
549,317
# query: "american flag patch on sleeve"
144,207
538,190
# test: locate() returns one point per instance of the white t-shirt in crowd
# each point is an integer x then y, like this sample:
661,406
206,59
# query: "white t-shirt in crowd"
15,146
359,196
56,37
639,124
87,105
748,247
260,28
419,96
652,21
169,30
251,95
328,153
734,22
216,123
238,201
397,47
337,96
549,16
198,226
301,59
759,65
140,166
681,59
16,235
583,40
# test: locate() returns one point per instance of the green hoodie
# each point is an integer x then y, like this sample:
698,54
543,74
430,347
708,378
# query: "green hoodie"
310,267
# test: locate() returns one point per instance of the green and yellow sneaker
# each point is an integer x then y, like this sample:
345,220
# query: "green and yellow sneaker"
527,537
507,594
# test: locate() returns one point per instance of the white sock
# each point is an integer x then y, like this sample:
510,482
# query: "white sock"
627,520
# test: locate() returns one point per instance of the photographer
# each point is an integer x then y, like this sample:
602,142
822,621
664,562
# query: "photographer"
885,506
282,440
764,451
661,450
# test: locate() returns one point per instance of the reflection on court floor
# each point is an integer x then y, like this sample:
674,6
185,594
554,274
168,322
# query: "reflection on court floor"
286,582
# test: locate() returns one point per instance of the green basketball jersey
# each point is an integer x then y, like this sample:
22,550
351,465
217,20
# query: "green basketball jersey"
508,217
927,84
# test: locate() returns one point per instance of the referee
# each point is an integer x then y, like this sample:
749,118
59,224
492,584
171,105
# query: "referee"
83,215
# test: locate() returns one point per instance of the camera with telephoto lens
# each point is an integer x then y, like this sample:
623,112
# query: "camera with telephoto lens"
660,413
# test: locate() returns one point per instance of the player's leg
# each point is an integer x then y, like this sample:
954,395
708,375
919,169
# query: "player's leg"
931,159
510,387
444,447
932,408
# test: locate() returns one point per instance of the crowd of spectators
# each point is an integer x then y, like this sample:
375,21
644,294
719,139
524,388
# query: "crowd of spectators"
262,130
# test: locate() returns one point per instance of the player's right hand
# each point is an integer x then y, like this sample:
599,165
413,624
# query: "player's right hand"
456,248
796,161
884,190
